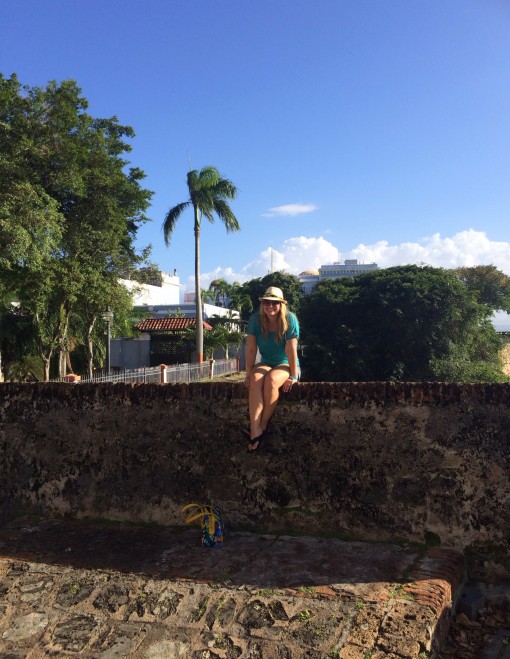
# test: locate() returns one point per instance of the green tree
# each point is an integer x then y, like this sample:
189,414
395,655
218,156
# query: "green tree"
491,285
31,222
105,293
401,323
63,173
209,193
149,274
17,340
240,300
476,359
220,336
227,331
219,291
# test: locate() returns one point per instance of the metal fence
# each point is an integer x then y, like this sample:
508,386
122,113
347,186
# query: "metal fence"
165,374
135,376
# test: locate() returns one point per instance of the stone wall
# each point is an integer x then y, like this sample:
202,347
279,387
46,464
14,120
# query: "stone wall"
382,461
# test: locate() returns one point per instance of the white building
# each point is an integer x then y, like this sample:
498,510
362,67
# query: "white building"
163,301
160,302
147,295
308,279
350,268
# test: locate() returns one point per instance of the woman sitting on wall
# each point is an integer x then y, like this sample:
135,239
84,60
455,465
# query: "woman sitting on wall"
274,331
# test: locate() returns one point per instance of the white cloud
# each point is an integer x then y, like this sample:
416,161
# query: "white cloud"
466,248
294,256
300,253
289,210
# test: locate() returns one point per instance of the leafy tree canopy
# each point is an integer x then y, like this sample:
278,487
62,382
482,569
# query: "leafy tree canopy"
70,207
491,286
400,323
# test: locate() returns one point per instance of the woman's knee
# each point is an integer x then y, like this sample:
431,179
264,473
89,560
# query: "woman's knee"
272,383
257,379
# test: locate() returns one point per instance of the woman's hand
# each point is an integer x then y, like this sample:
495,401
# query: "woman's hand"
247,381
287,385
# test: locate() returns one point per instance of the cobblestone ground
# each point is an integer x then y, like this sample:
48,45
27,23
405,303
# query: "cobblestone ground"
89,590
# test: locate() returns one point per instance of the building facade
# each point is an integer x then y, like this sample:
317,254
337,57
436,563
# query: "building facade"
350,268
147,295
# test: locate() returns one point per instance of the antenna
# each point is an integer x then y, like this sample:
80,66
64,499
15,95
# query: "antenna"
189,160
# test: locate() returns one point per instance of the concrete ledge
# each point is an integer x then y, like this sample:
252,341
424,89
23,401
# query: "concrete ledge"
427,393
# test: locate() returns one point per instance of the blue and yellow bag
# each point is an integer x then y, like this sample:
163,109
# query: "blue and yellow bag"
210,520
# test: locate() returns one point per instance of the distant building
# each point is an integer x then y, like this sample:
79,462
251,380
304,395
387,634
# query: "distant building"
308,279
188,310
147,295
165,344
167,316
350,268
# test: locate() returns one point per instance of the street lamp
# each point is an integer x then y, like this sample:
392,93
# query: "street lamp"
108,317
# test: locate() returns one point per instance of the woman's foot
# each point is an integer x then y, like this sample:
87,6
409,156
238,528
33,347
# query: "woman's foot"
256,442
247,431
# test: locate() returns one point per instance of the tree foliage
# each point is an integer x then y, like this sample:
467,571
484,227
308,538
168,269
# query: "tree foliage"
69,209
219,292
400,323
220,336
491,286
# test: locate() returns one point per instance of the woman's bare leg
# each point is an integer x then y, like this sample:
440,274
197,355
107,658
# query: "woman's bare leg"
256,398
271,393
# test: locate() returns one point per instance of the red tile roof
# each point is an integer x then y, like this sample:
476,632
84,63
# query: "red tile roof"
167,324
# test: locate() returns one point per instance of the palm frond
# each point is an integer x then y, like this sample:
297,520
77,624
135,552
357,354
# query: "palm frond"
171,220
192,179
209,177
224,212
225,189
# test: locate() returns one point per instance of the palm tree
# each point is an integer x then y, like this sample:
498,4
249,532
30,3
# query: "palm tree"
208,195
219,289
240,300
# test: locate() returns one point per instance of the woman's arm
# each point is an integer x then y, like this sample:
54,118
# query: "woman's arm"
291,352
251,354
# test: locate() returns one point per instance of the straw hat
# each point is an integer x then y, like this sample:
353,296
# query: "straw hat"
273,293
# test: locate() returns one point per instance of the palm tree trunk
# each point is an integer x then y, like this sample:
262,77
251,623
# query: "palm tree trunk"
198,298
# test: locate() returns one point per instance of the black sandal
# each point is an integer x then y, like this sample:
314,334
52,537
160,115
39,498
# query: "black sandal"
259,441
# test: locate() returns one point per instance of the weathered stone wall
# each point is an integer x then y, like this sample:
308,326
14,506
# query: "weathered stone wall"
378,461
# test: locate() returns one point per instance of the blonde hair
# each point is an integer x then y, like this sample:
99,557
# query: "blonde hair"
283,323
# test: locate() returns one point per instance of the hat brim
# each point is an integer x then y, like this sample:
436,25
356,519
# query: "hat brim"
272,299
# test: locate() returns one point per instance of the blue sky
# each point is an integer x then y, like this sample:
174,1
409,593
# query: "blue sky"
352,128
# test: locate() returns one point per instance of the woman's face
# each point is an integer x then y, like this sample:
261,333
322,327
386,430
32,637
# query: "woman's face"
271,308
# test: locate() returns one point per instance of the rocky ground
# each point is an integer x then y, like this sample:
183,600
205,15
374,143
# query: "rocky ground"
480,628
71,588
